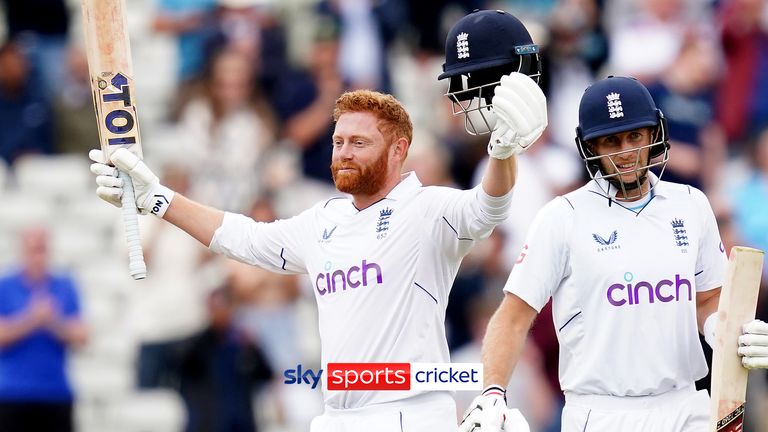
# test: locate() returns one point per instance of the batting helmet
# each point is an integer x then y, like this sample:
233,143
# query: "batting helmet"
615,105
481,48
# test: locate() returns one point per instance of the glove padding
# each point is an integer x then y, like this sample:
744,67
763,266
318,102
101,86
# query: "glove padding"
521,111
151,196
489,413
753,345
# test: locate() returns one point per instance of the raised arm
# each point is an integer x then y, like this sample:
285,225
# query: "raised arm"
521,109
195,219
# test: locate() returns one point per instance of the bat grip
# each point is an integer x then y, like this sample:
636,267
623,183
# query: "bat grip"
136,265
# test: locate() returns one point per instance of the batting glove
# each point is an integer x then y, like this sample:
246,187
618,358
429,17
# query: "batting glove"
753,345
489,413
151,196
521,110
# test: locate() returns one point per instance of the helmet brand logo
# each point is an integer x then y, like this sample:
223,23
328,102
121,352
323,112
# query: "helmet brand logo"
615,110
462,45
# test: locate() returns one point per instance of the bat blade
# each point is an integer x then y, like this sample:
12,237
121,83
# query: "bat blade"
738,303
111,72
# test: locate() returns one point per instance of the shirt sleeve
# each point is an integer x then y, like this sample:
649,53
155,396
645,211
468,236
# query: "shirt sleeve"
543,261
711,261
464,216
275,246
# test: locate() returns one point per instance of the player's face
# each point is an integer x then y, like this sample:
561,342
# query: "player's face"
625,159
360,162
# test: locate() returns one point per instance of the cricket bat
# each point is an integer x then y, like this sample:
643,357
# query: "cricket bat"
738,302
111,71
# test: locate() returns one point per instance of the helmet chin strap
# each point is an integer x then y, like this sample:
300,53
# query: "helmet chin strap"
631,186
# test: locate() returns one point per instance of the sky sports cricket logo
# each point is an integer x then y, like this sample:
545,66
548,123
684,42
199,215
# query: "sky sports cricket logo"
389,376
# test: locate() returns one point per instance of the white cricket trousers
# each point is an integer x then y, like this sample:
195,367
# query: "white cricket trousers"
428,412
683,410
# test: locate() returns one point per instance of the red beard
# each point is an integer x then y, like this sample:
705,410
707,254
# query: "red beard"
364,180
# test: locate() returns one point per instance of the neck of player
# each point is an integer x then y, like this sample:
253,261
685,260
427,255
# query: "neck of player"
363,201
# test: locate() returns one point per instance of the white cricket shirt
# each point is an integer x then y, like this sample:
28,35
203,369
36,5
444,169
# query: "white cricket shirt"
623,286
381,275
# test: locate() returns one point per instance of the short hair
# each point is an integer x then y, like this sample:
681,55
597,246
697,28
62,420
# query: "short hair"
394,121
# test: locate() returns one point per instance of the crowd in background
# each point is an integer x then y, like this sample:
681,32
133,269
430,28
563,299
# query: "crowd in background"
235,100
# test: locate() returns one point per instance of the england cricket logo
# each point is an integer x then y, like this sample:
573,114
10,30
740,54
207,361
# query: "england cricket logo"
615,110
681,235
382,226
462,45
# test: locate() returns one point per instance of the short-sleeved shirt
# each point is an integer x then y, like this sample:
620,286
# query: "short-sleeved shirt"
381,276
34,367
623,285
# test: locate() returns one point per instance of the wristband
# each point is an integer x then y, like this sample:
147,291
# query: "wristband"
160,200
494,389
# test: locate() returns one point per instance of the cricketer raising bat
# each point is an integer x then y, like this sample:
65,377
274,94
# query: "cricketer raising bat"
738,302
111,72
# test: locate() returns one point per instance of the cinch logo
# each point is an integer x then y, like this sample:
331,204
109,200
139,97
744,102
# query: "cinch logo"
353,277
391,376
646,292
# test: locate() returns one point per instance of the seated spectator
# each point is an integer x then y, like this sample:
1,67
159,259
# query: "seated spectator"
224,132
75,127
25,115
219,370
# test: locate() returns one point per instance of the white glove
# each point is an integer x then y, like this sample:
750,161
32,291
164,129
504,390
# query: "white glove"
489,413
151,196
521,111
753,345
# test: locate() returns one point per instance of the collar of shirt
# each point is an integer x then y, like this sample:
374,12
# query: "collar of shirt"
599,186
409,183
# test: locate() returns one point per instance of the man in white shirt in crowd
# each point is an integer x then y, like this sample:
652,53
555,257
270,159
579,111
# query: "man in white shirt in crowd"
634,267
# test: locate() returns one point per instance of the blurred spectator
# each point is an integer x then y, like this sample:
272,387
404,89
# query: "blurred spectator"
573,51
253,28
171,306
224,131
482,273
685,93
467,151
219,369
646,41
366,30
41,27
303,98
75,126
426,18
25,115
430,160
743,93
267,301
750,199
191,22
39,320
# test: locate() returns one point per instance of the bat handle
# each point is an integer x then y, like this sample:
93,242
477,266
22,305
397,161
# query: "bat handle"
136,265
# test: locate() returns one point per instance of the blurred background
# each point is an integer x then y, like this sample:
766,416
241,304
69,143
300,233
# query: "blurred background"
235,100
